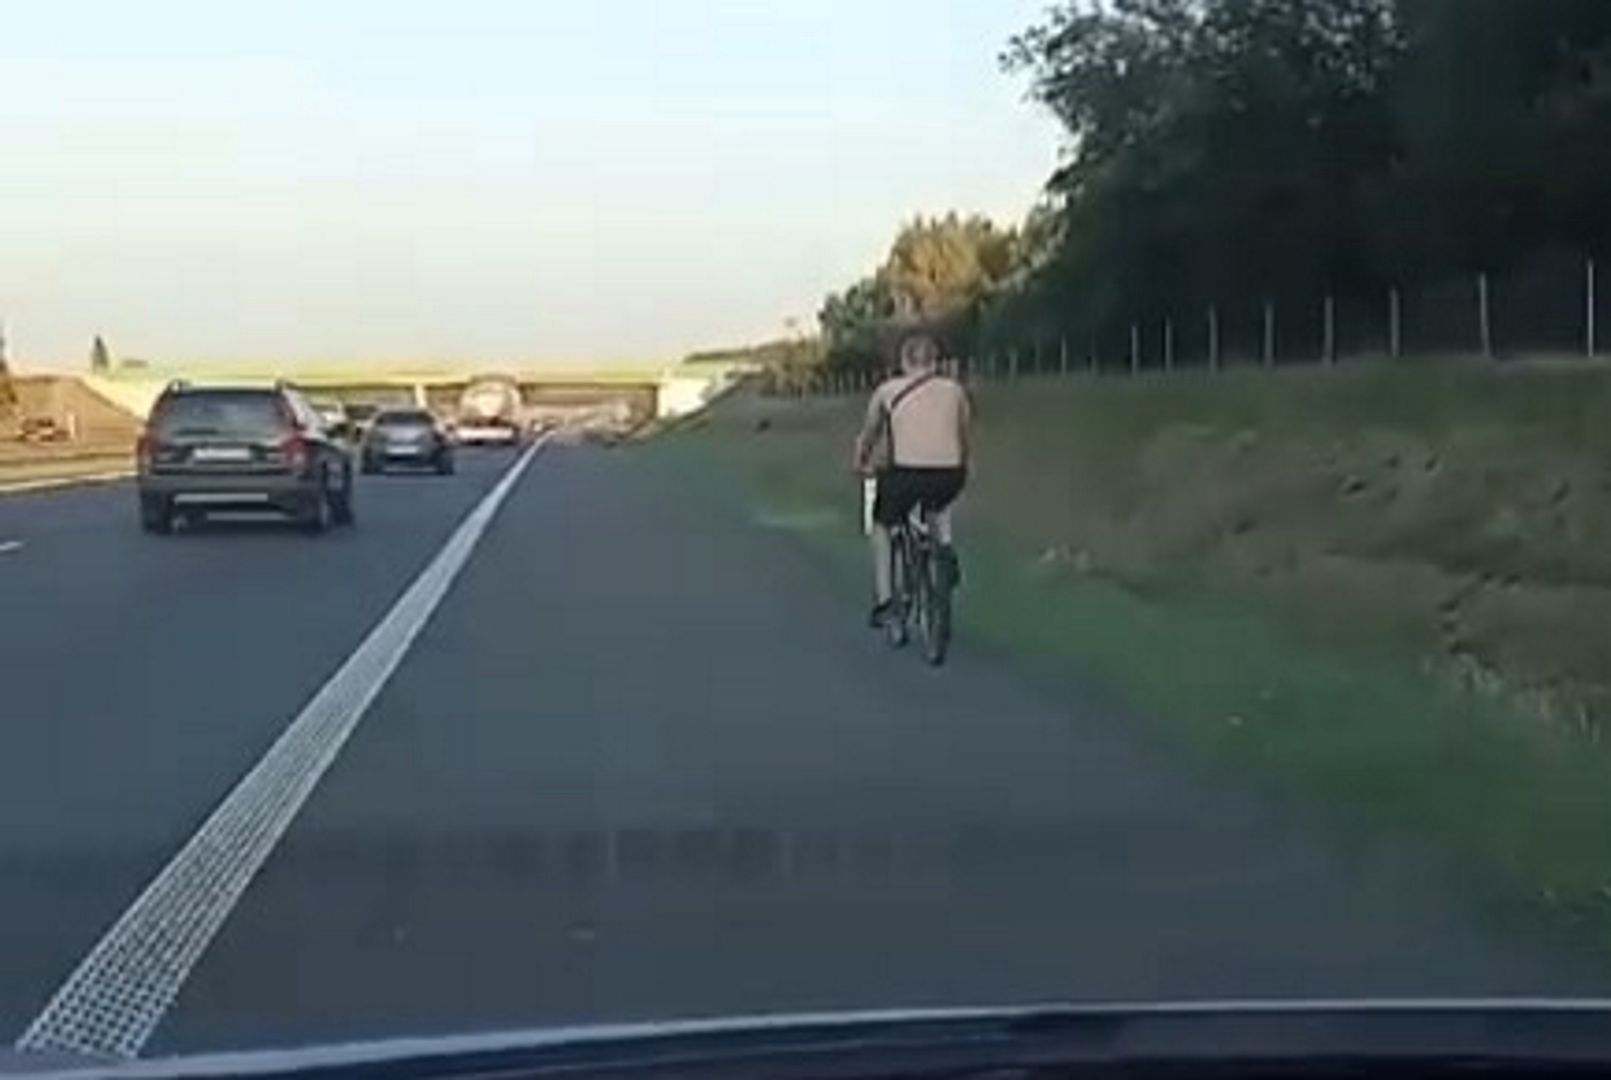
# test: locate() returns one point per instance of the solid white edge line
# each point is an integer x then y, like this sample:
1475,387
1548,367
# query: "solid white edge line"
52,483
9,546
120,991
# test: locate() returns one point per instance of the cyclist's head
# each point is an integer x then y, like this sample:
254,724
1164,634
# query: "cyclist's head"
919,353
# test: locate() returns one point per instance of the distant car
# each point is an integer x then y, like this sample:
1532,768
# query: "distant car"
411,437
207,449
490,413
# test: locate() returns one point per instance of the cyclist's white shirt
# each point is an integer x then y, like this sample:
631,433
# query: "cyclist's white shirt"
928,425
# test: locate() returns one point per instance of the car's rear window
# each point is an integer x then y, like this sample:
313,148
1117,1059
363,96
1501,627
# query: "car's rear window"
403,418
225,412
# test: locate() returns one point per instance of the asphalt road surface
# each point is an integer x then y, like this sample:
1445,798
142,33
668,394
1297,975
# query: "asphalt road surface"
639,763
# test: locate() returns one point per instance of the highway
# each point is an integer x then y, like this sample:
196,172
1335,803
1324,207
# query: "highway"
639,762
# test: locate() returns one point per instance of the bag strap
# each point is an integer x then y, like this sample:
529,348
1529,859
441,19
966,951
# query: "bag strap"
906,391
887,419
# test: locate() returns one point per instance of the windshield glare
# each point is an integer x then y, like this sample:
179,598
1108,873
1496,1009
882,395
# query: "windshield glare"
245,414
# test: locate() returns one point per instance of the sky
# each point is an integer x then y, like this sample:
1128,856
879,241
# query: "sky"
529,180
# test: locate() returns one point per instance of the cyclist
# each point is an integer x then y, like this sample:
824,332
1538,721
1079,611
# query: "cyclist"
914,441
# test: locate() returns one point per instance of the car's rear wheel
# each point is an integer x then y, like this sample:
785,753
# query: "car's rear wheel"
341,500
371,466
156,514
444,465
316,516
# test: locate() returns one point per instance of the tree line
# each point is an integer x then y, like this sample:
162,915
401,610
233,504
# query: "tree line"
1226,152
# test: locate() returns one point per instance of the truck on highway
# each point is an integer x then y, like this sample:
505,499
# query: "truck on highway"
491,412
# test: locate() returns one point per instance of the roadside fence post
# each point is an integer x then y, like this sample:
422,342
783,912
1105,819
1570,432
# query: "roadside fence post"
1485,326
1269,333
1135,348
1093,358
1329,349
1213,337
1169,344
1593,328
1395,324
1062,355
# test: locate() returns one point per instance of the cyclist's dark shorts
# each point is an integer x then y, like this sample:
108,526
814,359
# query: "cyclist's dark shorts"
902,488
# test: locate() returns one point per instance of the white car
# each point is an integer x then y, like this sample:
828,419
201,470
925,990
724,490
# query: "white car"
486,433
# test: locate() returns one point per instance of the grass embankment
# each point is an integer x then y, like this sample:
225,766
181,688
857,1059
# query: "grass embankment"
104,433
1386,590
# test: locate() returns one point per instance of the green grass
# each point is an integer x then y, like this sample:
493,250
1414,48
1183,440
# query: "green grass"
1266,569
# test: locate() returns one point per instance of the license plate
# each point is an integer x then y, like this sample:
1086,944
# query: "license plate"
221,454
404,449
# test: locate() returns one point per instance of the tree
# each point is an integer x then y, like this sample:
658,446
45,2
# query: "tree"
940,266
938,271
1214,147
100,357
1502,109
1227,150
849,322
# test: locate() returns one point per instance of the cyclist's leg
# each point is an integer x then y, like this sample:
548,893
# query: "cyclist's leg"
888,508
945,488
883,583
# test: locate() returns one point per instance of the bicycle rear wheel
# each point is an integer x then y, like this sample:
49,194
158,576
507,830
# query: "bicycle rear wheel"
934,609
897,626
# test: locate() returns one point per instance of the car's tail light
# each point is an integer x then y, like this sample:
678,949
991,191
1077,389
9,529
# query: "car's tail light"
145,450
294,449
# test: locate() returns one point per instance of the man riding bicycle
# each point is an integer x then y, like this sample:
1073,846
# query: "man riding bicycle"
914,441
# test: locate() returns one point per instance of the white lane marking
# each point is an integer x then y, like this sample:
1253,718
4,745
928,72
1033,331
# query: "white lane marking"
50,483
119,992
8,546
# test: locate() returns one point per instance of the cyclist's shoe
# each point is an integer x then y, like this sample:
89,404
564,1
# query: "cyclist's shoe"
950,567
880,614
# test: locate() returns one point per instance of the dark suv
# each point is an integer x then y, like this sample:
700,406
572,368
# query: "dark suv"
240,448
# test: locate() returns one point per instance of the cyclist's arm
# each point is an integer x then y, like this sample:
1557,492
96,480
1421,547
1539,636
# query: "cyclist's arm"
965,429
872,427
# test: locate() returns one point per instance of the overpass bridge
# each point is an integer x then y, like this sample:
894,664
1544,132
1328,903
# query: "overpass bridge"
645,395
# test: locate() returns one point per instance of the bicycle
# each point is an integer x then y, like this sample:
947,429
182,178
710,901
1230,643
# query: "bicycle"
922,587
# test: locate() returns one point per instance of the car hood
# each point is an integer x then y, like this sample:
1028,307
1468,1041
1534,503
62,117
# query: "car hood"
1290,1035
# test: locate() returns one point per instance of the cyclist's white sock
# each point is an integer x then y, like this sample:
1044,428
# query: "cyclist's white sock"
883,586
942,527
